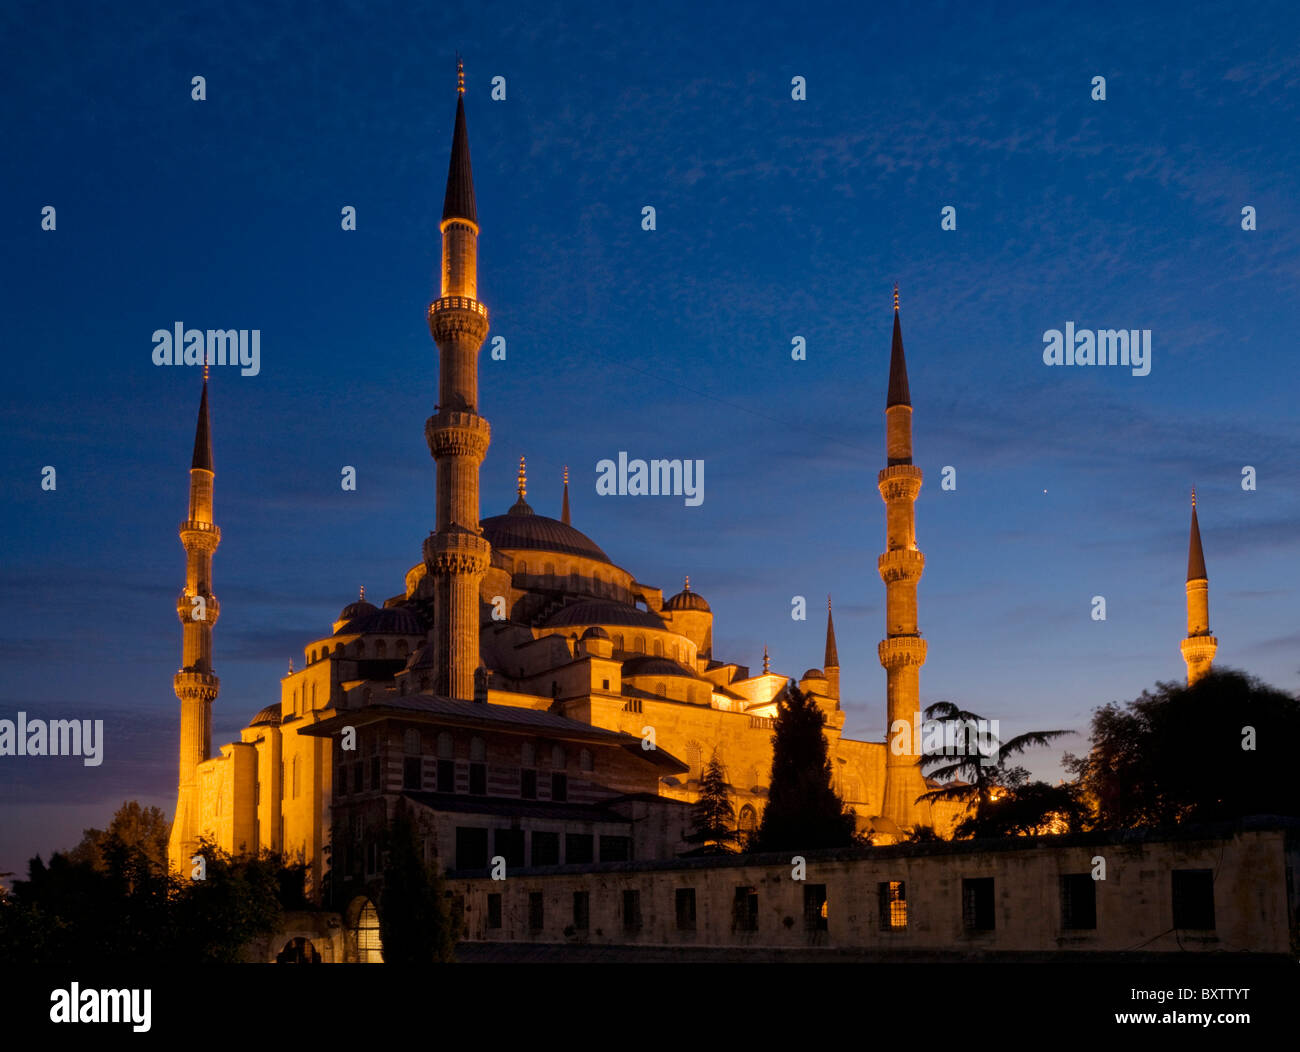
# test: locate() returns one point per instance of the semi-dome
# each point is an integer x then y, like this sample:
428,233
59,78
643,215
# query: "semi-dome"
813,673
525,531
603,612
269,715
688,600
655,666
595,632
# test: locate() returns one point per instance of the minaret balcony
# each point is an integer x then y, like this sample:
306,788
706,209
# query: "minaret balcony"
186,608
452,316
900,482
899,651
200,535
1199,649
196,686
451,432
902,564
457,551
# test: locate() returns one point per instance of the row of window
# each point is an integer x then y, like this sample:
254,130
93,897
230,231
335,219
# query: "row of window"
579,848
1192,893
444,779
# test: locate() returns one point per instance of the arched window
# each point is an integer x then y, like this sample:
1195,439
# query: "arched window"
402,649
558,759
313,696
446,746
477,750
381,649
370,950
411,742
359,648
659,648
296,710
585,760
618,643
294,774
523,569
747,822
338,649
550,575
638,644
528,754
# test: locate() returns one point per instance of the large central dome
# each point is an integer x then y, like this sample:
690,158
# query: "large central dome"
527,531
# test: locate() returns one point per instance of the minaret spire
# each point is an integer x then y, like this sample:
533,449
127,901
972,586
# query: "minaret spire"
831,664
564,511
456,554
767,665
1199,647
197,608
902,652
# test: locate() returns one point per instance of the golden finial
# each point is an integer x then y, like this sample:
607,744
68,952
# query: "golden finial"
206,363
895,297
523,480
460,75
1193,496
363,593
688,582
767,667
566,474
828,602
291,666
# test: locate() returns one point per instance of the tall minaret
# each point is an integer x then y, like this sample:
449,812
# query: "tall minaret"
197,608
902,652
456,553
1199,646
831,664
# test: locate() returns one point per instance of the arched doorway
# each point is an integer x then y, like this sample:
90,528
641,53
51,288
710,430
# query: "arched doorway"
298,951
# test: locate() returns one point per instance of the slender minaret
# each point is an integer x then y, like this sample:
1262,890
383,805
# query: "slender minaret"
831,665
564,511
902,652
197,608
1200,645
456,553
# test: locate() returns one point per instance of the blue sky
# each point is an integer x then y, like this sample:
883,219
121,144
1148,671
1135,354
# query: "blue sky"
775,219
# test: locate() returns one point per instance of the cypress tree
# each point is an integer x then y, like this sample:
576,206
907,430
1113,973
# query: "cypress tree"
803,812
414,921
713,816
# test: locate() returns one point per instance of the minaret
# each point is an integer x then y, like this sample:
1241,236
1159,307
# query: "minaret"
902,652
1199,646
456,553
831,665
197,608
564,511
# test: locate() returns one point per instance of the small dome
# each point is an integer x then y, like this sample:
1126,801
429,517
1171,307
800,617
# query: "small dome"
269,715
358,609
814,673
595,632
390,621
688,600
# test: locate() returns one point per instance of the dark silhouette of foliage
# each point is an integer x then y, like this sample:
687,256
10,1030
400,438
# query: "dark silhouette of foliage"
1177,754
803,812
415,924
713,816
972,775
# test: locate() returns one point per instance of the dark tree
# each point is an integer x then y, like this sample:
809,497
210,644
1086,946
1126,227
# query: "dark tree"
713,817
803,812
1214,751
978,768
414,920
145,829
1025,808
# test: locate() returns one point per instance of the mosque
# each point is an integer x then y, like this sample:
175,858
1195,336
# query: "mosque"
529,697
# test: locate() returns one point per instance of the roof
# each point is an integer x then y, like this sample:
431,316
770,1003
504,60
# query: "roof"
687,600
898,391
655,666
270,714
530,532
1195,556
603,612
459,200
392,621
203,436
832,659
